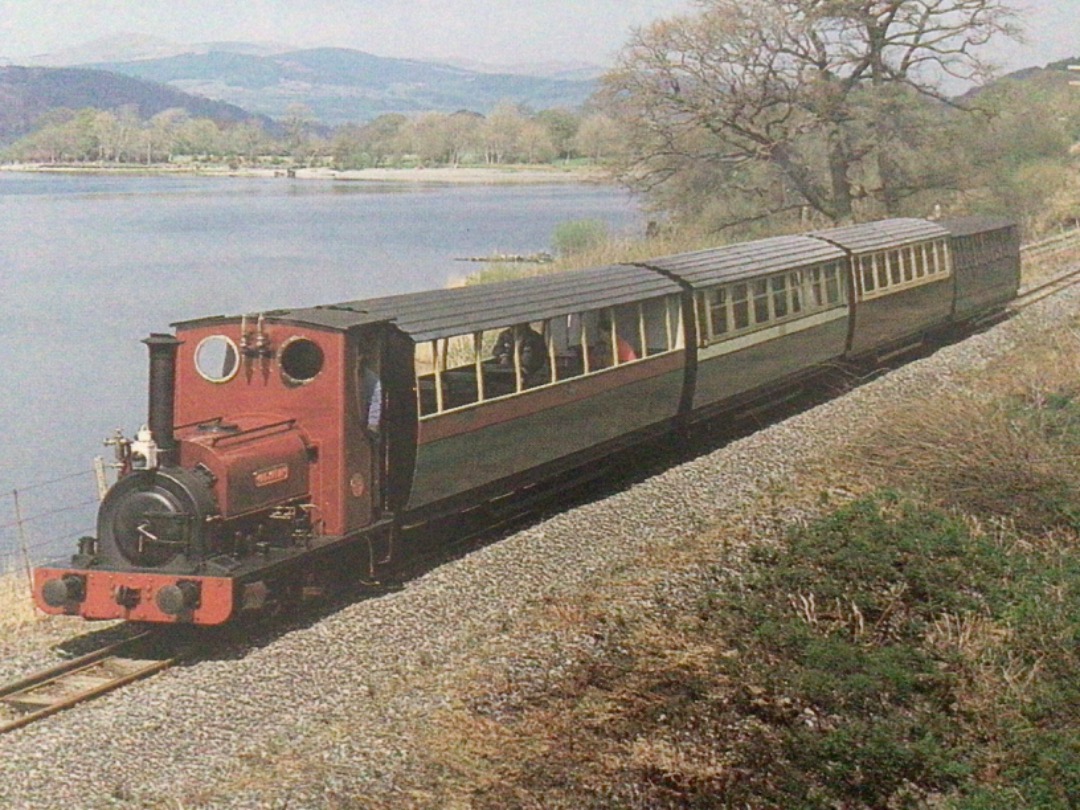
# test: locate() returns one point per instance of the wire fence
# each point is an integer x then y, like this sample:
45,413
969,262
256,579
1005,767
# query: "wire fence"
1065,240
44,518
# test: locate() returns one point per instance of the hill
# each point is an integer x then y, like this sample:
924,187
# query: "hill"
130,46
28,94
340,85
1052,74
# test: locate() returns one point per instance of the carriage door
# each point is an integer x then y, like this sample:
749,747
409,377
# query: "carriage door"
365,432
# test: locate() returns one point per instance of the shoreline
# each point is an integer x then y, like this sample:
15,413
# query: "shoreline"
444,174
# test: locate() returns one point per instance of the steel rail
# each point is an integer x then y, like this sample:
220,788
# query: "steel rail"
89,676
1037,292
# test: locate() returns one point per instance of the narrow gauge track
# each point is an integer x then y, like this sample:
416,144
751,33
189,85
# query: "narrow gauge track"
1034,293
59,687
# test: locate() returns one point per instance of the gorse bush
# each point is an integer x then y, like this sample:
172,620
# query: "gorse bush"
830,633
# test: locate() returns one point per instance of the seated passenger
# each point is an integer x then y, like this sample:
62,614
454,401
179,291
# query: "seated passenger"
600,354
533,349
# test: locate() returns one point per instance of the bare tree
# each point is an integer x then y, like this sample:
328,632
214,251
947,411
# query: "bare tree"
248,139
501,132
535,144
597,137
805,99
160,133
299,121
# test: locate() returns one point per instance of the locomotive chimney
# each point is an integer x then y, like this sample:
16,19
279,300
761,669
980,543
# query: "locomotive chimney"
163,392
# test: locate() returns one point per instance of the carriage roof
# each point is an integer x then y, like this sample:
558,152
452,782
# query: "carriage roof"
889,233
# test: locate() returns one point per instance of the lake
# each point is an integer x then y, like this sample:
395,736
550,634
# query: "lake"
91,264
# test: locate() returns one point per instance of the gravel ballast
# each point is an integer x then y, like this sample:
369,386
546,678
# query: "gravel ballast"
334,709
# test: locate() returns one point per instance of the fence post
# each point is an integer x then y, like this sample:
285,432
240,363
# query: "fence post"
22,539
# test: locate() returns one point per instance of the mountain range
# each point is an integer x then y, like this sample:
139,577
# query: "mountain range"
337,85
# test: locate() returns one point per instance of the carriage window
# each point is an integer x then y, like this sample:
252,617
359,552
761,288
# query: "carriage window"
881,267
817,289
463,370
442,370
867,264
718,303
626,332
893,259
743,306
942,252
920,261
740,306
761,301
795,281
658,329
779,296
833,292
905,266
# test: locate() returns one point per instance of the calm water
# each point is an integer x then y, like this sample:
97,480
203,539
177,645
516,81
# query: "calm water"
92,264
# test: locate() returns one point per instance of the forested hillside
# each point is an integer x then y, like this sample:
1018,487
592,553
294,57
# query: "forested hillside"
29,95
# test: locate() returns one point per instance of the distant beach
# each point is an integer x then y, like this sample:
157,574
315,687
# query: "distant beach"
441,174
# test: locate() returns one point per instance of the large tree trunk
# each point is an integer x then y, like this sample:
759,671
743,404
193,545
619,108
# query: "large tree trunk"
804,181
840,181
888,171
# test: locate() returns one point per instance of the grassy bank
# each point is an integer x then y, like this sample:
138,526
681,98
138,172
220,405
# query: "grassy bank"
915,647
17,610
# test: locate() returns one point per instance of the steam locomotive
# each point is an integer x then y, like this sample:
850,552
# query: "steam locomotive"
279,445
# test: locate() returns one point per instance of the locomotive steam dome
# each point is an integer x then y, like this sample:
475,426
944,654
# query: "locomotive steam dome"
156,518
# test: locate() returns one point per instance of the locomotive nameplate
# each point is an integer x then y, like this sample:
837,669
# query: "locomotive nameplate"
268,476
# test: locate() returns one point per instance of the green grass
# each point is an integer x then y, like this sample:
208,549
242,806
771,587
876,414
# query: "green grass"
888,655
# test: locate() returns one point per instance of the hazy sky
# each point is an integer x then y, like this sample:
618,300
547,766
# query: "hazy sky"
501,31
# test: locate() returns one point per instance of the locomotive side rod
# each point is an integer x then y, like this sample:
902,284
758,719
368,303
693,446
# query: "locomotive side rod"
62,686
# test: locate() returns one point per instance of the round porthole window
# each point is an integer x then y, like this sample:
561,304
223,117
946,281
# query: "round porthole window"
217,359
301,360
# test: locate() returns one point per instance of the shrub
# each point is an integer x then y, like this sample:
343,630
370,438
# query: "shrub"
579,236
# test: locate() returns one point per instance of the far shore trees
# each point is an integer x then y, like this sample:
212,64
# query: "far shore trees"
508,134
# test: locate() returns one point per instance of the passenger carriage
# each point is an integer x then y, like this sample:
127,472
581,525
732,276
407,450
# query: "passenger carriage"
901,282
985,253
610,369
766,312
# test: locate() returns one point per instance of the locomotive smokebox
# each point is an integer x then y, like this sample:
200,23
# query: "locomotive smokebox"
163,392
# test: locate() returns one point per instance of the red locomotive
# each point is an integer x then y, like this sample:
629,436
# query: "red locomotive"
280,445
